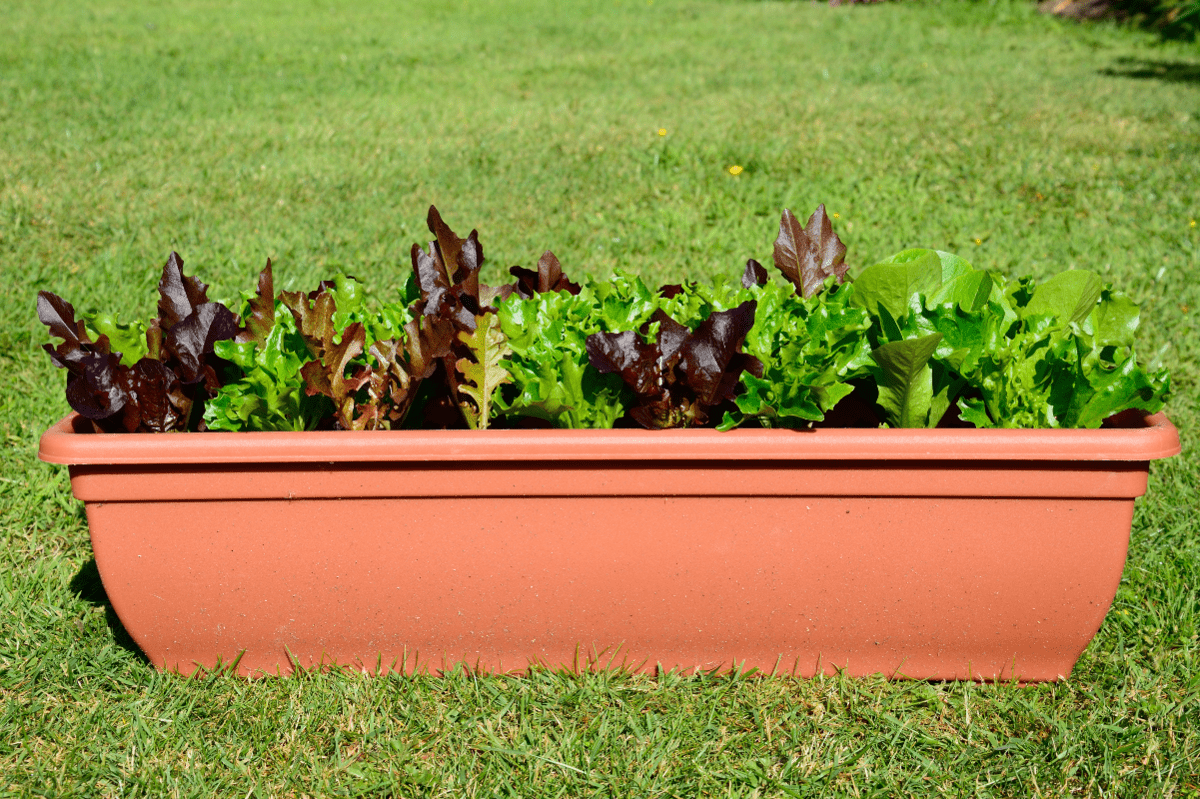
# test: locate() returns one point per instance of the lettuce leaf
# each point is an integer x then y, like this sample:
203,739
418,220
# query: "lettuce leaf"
482,372
811,350
809,255
269,394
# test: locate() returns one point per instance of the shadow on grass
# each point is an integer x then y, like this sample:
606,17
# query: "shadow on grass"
1148,69
86,585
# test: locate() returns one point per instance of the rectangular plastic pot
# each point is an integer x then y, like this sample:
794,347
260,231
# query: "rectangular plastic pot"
933,554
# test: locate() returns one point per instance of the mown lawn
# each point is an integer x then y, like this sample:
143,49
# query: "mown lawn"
318,134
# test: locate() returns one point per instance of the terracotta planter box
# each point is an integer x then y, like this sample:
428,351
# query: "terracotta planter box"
932,554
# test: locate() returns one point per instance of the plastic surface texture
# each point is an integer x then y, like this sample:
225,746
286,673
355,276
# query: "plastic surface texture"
932,554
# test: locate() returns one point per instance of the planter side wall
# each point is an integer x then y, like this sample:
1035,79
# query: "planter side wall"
938,554
928,587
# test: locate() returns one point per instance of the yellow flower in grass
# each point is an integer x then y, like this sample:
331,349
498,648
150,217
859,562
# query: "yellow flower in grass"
735,170
662,131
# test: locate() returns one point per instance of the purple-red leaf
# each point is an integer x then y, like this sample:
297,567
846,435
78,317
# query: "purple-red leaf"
59,315
431,278
459,257
314,317
262,309
193,337
326,373
711,349
670,339
179,295
97,390
390,388
807,255
448,275
548,277
427,341
328,376
627,355
160,401
755,274
831,251
683,372
438,297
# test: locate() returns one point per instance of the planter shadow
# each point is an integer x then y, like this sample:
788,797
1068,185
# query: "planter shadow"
1149,69
928,554
88,586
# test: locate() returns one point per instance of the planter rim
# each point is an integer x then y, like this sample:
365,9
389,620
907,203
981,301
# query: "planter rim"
1136,438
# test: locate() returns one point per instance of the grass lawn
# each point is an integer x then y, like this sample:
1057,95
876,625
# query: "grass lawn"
318,134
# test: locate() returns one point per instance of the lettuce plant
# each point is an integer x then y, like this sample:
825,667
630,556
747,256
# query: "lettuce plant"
270,353
946,337
918,340
679,375
551,377
169,370
809,339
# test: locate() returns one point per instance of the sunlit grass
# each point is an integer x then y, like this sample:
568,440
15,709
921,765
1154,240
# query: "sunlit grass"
660,137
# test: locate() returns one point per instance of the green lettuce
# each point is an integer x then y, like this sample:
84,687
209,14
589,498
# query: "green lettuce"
551,378
269,394
1005,353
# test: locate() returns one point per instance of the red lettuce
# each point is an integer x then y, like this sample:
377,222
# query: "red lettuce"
166,389
373,392
452,298
680,376
808,255
548,277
